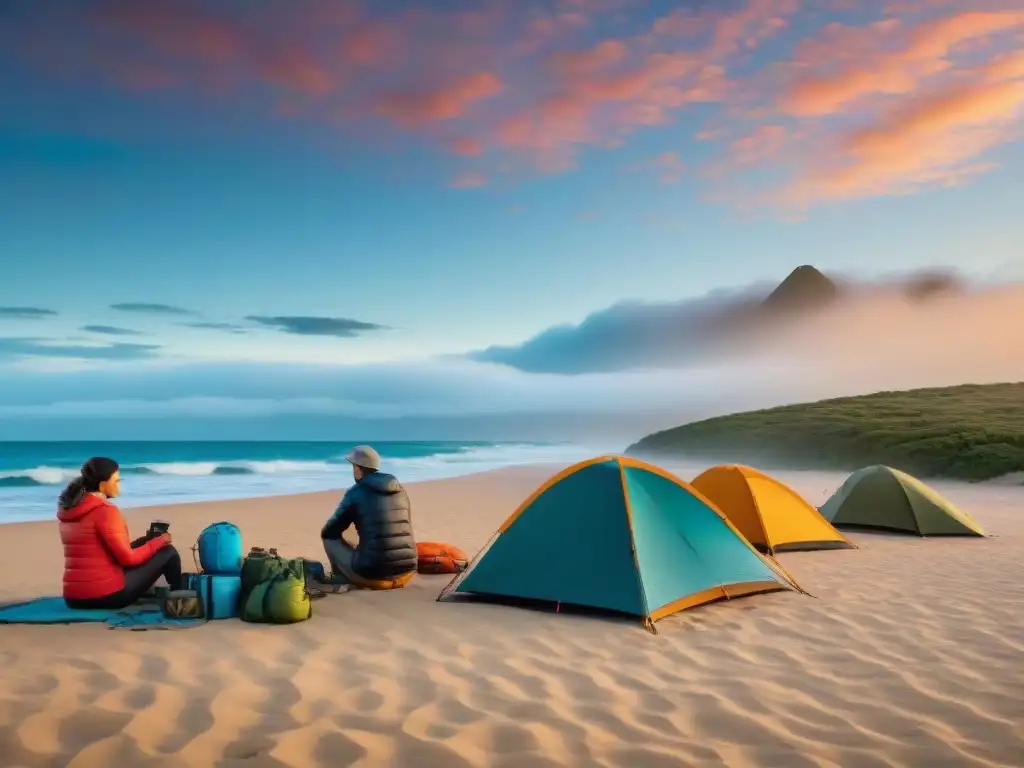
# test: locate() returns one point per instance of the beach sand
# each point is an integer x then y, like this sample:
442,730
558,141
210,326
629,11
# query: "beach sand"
911,654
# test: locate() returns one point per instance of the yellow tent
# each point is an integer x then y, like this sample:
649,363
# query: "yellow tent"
772,516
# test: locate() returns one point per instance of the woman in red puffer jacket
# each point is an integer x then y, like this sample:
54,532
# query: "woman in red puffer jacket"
103,568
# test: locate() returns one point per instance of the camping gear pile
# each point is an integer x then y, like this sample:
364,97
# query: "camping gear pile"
262,587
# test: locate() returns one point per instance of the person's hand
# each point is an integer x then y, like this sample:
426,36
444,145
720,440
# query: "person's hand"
166,537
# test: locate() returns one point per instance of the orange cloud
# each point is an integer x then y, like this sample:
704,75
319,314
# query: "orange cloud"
413,108
764,142
890,60
1009,66
937,140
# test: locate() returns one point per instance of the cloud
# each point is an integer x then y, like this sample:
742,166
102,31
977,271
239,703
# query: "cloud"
668,166
26,313
542,89
216,326
572,64
144,308
876,340
468,180
536,88
889,59
893,106
412,108
28,347
340,327
722,327
935,140
467,147
110,330
627,335
225,49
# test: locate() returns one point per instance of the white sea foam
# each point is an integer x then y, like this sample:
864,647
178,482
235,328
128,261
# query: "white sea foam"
29,494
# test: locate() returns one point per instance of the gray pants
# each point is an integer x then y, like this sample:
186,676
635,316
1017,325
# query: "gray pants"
340,554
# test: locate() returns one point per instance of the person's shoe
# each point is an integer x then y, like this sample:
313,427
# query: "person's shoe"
335,580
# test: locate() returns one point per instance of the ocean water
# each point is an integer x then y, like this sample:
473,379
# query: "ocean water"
32,474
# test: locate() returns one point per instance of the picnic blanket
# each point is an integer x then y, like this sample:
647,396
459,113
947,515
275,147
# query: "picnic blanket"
53,610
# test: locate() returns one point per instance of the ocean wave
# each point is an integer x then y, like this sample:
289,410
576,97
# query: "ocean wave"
28,478
484,456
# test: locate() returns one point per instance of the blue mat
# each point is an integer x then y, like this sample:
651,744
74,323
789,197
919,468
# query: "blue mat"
53,610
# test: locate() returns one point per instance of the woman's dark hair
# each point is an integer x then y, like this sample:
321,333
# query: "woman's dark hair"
96,470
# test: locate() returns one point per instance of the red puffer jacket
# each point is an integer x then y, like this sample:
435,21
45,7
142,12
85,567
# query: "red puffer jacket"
97,548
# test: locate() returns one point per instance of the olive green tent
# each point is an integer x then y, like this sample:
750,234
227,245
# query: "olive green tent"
886,499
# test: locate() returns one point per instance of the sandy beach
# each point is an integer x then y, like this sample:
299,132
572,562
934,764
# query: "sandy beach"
911,653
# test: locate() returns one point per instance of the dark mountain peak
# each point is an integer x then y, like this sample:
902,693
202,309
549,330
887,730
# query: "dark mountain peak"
804,288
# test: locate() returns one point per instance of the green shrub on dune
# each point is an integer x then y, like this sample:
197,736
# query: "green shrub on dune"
969,432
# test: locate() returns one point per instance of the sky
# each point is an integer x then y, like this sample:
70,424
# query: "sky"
361,213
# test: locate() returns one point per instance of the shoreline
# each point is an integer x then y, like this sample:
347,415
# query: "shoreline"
684,468
164,474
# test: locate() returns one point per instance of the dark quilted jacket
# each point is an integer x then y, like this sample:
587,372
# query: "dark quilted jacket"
378,506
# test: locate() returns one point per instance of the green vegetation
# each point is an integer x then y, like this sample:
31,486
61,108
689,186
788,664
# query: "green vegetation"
970,432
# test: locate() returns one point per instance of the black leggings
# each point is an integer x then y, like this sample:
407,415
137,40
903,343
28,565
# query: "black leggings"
137,581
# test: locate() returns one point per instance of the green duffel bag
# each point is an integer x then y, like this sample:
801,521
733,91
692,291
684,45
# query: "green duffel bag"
273,589
281,600
258,567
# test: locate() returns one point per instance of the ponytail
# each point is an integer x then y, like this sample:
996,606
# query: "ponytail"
72,494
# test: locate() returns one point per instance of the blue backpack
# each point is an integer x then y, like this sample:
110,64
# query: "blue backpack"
219,594
220,549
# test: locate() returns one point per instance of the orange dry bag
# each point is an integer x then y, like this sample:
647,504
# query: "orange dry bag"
434,557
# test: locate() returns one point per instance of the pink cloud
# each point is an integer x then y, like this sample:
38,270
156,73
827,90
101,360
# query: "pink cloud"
411,108
763,143
468,180
668,166
852,110
726,32
936,140
588,105
886,58
467,147
582,63
221,50
373,43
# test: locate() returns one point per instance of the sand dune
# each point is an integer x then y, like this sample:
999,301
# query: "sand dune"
911,654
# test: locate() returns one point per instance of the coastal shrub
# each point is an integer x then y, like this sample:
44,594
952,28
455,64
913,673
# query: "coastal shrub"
970,432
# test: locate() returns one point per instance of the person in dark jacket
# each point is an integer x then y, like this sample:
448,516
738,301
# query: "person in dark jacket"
103,568
378,506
